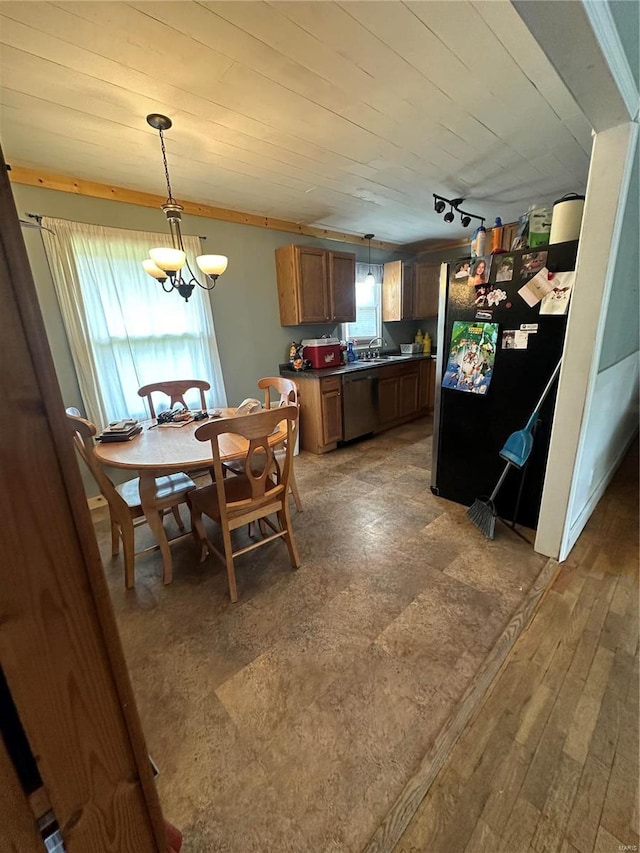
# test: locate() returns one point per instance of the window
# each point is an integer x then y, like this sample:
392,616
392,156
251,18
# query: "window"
123,329
368,323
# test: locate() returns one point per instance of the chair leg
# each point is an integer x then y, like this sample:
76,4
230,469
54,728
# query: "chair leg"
285,523
176,514
294,491
115,536
231,575
200,534
128,547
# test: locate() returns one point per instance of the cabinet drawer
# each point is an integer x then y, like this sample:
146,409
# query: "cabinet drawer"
331,383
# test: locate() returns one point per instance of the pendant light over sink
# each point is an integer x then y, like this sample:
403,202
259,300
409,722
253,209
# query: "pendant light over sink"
167,264
369,278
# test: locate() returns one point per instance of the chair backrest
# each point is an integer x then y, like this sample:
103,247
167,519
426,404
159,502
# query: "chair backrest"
288,391
259,464
82,433
175,389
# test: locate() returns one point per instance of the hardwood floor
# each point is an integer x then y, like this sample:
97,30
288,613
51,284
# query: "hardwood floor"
550,761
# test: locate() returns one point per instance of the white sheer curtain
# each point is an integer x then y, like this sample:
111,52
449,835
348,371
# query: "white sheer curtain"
123,330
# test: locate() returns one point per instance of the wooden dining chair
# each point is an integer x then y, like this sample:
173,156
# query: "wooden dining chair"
175,389
286,394
124,500
259,491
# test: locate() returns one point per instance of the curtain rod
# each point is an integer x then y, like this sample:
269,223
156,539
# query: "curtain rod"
38,219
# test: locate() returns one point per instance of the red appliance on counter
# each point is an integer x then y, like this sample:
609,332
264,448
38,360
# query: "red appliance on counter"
322,352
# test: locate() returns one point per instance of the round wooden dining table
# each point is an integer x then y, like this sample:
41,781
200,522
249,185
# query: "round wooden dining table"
161,450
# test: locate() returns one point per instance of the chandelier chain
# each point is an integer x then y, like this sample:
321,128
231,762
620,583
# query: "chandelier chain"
166,167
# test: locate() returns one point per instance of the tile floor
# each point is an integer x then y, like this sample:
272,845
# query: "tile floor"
292,720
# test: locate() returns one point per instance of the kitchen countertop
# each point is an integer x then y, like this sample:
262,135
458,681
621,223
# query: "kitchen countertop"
342,369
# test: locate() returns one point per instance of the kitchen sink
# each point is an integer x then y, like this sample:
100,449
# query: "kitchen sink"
381,358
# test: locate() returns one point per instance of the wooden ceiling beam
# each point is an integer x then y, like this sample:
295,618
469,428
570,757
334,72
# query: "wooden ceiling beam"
92,189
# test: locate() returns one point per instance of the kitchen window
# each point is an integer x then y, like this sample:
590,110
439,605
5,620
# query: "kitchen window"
368,322
123,330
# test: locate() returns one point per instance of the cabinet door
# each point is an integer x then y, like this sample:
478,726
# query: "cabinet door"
408,395
425,290
342,286
388,407
397,291
331,415
313,288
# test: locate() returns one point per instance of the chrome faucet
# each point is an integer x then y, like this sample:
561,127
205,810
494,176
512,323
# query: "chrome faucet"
374,353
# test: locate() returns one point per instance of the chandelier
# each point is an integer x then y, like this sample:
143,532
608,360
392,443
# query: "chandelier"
168,264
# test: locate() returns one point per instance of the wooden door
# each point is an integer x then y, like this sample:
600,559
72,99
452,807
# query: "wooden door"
313,285
342,286
331,405
426,290
408,394
388,399
59,647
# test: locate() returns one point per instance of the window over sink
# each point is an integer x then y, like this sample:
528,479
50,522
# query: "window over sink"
368,323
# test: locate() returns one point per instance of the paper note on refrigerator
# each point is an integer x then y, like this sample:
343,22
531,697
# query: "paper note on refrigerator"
536,288
557,300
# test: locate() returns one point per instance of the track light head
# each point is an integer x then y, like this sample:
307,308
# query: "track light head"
448,217
465,221
439,205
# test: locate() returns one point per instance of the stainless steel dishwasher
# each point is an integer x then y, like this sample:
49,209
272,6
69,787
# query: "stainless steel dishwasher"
359,403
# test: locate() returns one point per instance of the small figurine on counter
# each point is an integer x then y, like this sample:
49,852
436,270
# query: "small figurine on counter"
296,359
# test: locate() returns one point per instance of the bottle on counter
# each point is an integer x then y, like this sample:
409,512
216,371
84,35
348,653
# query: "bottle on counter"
478,241
426,344
496,237
419,338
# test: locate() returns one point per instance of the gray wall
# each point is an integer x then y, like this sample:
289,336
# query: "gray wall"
626,15
622,328
251,341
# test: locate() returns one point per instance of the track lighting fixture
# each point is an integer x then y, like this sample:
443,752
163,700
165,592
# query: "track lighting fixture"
440,203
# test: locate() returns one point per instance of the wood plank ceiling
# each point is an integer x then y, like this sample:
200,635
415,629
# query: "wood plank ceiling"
341,115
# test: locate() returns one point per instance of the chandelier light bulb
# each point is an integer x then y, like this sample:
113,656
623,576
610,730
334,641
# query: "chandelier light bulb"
170,260
213,265
152,269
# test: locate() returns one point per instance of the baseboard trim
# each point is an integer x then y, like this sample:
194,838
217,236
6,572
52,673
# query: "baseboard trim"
391,829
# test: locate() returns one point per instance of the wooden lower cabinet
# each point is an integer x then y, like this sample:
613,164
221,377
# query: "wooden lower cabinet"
397,394
320,413
427,385
405,391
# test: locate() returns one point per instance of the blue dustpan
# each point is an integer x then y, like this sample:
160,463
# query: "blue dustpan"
517,448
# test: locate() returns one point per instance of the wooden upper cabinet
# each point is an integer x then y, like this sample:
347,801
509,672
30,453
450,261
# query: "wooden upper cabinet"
397,291
342,286
426,290
315,285
410,291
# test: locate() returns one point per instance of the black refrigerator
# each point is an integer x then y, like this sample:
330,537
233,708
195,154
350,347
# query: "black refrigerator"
501,329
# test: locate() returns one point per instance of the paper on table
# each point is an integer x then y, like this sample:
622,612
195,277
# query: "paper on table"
536,288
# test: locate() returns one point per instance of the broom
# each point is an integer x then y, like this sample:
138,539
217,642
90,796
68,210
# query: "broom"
482,511
516,451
